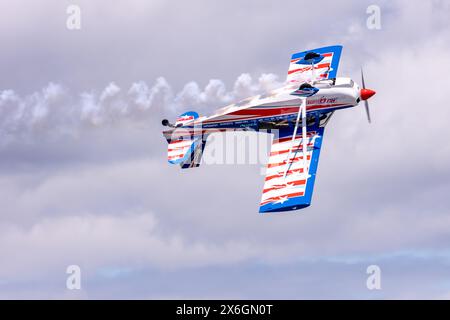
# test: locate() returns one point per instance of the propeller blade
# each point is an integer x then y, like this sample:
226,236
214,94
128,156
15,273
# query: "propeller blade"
366,104
362,79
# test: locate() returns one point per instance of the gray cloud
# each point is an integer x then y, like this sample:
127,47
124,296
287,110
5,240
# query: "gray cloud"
84,178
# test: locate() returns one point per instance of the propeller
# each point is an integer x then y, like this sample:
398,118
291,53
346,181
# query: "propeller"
365,94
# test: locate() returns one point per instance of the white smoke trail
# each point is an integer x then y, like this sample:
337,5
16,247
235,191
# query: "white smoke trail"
55,111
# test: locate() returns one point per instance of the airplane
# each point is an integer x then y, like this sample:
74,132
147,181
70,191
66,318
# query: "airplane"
298,112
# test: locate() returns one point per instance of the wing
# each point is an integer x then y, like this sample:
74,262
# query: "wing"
287,186
325,61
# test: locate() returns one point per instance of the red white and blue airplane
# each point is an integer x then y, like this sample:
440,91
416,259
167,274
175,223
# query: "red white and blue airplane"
299,111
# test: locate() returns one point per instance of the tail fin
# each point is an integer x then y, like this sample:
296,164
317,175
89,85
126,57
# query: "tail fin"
186,117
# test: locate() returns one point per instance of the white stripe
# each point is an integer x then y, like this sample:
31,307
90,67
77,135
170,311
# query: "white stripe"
282,192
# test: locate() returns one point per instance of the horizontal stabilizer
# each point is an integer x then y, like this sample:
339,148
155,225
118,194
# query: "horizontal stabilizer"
180,150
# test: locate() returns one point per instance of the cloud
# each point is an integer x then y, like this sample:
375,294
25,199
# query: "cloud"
98,242
84,178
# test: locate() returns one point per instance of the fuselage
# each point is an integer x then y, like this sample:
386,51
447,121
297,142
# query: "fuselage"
279,106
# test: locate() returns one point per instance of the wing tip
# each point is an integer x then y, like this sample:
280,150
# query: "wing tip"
271,208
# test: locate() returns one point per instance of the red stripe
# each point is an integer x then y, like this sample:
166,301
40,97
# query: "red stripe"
271,165
319,66
279,175
308,134
176,149
174,157
251,110
184,119
298,148
264,112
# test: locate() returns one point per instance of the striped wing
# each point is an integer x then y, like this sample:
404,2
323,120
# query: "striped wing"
325,66
287,186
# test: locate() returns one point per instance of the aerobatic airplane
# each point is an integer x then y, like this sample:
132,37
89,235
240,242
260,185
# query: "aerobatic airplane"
299,111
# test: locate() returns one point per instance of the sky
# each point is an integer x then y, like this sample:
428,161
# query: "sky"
84,178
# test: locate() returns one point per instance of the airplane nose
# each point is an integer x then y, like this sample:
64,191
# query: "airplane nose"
366,93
